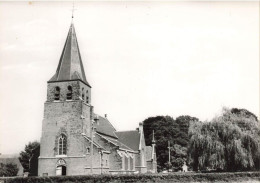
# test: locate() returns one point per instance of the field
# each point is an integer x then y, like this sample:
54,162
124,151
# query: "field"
251,177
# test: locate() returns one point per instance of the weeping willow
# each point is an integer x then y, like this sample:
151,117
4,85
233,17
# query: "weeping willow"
228,142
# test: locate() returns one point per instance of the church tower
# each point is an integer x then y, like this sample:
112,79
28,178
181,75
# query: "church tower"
73,141
67,115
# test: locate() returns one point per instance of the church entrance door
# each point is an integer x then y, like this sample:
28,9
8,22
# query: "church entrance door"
61,168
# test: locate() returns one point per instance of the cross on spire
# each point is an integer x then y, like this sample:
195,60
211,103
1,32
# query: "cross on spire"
73,9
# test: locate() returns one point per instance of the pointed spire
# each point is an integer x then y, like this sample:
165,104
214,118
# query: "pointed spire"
70,65
153,141
153,148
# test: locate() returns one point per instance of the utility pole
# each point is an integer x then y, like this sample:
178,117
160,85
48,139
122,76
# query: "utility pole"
169,147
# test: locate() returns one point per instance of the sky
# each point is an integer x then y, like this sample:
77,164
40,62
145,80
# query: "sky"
142,59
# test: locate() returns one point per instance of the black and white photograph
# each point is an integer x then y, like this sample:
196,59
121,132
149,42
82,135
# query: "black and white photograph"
129,91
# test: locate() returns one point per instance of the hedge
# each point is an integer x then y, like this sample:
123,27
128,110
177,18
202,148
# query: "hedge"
173,177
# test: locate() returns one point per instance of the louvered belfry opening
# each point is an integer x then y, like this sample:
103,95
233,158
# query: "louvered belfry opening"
69,93
57,93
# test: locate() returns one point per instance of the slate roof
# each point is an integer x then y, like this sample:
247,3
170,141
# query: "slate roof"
107,131
70,65
116,142
129,138
105,127
95,143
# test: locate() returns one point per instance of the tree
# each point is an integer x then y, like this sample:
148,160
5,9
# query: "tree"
166,129
179,154
8,170
27,154
229,141
34,162
184,122
250,135
244,113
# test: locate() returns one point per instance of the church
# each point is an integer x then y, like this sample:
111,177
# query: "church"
75,140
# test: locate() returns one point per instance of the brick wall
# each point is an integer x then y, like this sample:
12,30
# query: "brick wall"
68,117
77,88
115,161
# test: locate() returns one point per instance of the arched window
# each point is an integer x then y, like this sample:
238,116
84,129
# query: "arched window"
57,93
62,145
88,150
131,163
69,93
83,95
87,97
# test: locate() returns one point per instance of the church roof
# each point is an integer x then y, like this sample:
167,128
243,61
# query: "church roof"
70,65
129,138
116,142
105,127
95,143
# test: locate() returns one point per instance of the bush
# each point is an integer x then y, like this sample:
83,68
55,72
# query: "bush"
173,177
8,170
